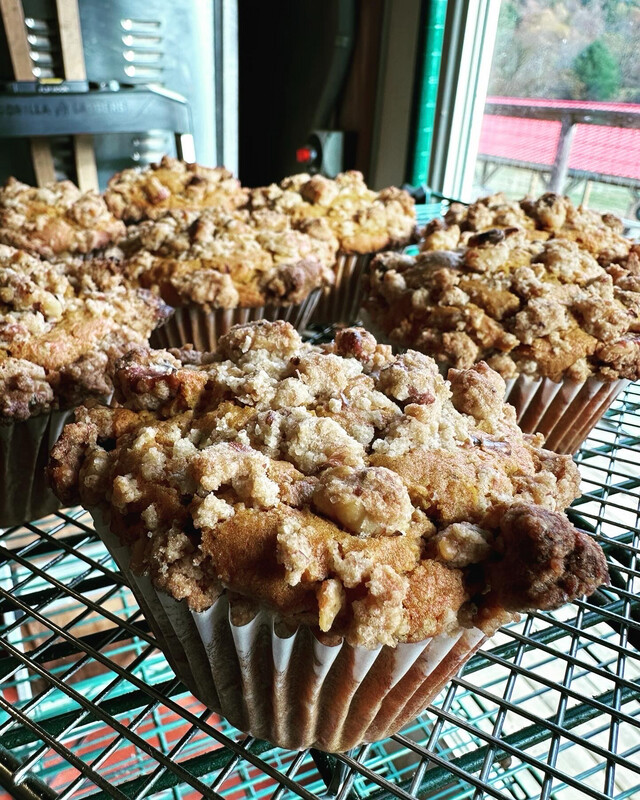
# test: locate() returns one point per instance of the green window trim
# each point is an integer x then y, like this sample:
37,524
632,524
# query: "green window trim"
428,90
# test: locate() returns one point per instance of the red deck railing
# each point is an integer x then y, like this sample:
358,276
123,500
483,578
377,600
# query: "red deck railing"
591,139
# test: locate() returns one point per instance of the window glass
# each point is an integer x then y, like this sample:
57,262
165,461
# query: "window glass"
563,107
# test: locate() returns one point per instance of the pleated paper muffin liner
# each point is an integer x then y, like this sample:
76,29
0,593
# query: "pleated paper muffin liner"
24,452
293,691
192,324
565,412
341,301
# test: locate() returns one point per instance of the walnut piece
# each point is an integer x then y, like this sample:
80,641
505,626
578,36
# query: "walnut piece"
537,288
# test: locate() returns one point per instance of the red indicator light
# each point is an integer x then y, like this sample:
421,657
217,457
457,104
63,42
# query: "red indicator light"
305,155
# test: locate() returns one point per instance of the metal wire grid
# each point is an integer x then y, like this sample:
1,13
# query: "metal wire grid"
550,709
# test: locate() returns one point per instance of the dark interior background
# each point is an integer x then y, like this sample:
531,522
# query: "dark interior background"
304,65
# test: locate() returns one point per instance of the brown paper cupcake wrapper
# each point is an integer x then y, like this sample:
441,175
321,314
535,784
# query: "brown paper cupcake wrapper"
341,302
192,324
293,691
24,451
564,413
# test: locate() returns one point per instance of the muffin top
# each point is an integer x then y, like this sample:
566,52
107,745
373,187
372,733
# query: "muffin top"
526,306
363,220
341,487
62,327
56,219
550,216
221,259
135,194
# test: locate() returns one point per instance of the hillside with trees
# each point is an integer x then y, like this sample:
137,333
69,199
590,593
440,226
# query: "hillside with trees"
568,49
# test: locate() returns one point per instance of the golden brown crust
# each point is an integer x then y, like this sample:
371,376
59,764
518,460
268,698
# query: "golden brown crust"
221,259
338,486
526,306
62,327
364,221
134,195
548,216
556,357
56,219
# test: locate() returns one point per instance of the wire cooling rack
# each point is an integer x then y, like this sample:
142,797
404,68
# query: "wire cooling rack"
548,709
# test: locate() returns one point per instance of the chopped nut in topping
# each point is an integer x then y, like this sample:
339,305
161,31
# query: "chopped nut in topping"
134,195
462,544
549,217
62,327
55,220
543,308
363,221
221,258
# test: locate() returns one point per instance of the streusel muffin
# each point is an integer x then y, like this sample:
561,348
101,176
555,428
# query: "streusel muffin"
220,268
320,537
61,331
561,329
550,216
364,222
137,194
55,220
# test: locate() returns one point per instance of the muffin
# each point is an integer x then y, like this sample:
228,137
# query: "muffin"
320,537
61,331
559,328
220,268
56,220
138,194
364,222
550,216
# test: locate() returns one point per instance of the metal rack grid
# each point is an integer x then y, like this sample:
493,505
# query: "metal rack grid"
550,708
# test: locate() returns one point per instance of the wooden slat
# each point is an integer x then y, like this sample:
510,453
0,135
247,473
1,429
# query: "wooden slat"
13,20
71,40
16,33
75,70
85,158
42,161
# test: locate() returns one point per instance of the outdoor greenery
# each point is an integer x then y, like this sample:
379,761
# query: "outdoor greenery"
598,72
568,49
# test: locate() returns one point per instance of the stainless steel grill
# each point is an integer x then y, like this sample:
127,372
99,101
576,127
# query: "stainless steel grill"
549,709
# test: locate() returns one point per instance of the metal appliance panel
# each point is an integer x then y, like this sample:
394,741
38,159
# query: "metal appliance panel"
180,45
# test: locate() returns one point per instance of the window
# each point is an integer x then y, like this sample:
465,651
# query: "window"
563,104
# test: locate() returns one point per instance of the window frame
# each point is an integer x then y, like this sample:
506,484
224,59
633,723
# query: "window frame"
467,55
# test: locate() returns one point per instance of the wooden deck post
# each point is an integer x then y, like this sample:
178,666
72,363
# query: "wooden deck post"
560,168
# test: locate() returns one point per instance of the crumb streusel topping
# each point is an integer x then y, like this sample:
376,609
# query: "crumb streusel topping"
364,221
221,259
550,216
62,327
342,487
56,219
134,195
543,308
